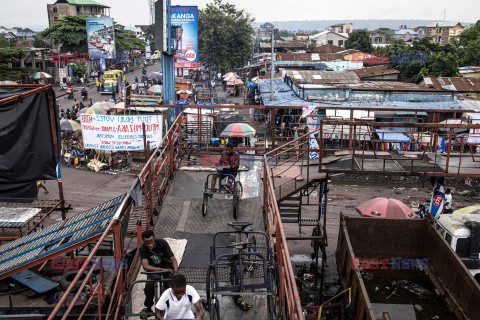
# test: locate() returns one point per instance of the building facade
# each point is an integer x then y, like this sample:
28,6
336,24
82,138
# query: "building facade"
342,28
62,8
443,32
329,37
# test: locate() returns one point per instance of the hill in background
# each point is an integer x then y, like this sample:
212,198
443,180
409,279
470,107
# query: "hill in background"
357,24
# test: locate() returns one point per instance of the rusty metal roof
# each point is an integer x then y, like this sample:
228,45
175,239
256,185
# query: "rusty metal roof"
286,44
324,77
457,84
328,48
310,57
380,86
375,71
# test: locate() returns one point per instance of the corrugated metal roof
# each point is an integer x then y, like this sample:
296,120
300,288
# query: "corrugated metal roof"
309,57
284,96
473,105
329,48
375,71
285,44
381,86
457,84
58,236
312,76
86,3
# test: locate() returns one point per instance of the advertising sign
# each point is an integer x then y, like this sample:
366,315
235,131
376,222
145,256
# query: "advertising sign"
474,136
186,37
101,38
120,133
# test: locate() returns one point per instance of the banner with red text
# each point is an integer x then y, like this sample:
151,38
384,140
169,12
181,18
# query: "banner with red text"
120,133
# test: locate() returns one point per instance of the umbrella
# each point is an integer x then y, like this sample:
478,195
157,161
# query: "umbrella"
235,81
69,126
475,209
185,92
238,130
155,75
91,110
155,89
254,79
103,105
7,82
40,75
386,208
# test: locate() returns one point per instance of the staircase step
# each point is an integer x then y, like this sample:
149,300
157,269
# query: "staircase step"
287,210
289,220
309,222
288,205
289,215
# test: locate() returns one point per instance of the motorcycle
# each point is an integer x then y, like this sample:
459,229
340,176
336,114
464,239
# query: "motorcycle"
84,95
70,93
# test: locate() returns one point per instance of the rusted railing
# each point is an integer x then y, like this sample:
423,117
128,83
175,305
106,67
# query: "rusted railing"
287,295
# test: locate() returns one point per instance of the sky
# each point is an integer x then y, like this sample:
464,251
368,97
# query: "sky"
33,13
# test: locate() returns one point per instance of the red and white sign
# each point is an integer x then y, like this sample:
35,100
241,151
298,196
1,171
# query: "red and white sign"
437,200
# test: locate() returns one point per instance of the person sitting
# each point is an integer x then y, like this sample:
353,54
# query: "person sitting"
155,255
177,301
230,159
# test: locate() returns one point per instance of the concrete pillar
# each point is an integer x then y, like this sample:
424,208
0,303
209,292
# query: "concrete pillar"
22,63
44,65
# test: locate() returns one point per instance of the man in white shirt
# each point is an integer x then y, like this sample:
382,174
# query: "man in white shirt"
448,200
176,302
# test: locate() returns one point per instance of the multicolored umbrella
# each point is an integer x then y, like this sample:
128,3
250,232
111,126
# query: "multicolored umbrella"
40,75
103,105
7,82
238,130
69,126
475,209
235,81
386,208
91,110
155,89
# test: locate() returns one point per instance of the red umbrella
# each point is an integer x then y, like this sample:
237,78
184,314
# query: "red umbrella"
386,208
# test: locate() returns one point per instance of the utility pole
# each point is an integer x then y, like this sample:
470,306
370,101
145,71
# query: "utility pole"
272,65
168,66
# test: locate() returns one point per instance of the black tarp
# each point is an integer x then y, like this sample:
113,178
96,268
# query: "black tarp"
26,146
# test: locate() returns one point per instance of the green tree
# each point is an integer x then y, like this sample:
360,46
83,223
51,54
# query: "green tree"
38,42
8,55
312,46
125,41
471,53
70,33
79,69
359,40
224,35
442,64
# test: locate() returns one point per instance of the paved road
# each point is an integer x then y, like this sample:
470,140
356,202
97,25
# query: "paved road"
92,91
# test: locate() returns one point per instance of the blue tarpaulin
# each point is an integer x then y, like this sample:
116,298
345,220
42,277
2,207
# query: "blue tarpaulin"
390,136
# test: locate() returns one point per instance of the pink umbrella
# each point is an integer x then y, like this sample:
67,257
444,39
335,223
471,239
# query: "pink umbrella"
386,208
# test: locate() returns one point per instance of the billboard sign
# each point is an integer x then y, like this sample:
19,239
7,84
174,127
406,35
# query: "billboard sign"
107,132
101,38
186,36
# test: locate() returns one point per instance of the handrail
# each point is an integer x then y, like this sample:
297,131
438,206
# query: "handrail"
293,308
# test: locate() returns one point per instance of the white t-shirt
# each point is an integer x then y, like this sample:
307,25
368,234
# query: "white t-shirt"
178,309
448,201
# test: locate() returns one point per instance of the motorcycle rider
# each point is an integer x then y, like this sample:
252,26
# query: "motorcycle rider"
84,94
70,91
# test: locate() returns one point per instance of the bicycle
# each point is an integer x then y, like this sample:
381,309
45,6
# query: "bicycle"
246,258
236,189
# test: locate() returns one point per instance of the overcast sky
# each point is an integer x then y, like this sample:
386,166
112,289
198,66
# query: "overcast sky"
33,13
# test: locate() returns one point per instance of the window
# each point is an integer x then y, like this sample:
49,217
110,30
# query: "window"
448,238
54,10
78,9
462,247
340,43
330,41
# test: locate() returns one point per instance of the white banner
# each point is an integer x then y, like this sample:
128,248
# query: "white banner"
118,133
474,136
313,145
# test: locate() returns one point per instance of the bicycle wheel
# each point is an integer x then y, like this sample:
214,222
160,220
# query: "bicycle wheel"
210,283
239,189
204,204
235,206
271,301
215,309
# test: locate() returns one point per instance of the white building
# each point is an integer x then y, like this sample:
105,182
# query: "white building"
329,37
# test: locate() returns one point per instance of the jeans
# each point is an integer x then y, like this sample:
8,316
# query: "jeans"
150,290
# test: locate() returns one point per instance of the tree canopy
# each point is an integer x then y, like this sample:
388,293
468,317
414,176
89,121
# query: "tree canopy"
470,44
224,35
69,32
8,54
359,40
